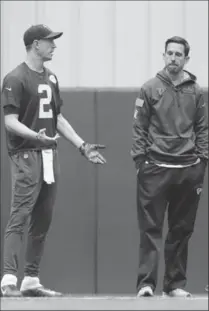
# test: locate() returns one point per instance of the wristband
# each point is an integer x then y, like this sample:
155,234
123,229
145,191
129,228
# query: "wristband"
82,148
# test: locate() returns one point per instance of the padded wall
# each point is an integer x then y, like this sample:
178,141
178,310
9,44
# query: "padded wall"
92,246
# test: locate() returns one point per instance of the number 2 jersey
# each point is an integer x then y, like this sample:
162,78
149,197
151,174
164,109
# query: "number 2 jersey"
35,97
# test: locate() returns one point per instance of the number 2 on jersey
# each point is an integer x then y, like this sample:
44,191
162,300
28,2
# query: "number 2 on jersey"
44,102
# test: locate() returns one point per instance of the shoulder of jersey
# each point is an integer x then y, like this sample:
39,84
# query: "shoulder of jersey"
18,72
51,76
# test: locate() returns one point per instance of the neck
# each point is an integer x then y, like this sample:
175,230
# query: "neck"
34,62
175,77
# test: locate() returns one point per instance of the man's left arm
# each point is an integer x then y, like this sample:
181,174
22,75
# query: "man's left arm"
201,129
88,150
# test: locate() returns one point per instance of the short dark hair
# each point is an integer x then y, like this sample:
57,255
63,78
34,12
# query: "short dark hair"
179,40
28,47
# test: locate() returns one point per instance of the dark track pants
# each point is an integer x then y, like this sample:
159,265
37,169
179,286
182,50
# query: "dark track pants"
33,200
177,189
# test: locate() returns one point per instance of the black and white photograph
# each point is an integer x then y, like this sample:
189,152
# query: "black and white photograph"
104,155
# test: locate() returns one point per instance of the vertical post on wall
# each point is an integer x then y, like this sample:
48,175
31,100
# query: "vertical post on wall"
148,26
113,42
5,39
184,18
77,5
96,198
39,12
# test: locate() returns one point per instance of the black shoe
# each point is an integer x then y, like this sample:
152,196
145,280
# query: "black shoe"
10,291
40,292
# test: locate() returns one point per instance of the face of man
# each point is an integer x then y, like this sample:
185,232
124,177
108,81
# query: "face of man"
45,49
174,58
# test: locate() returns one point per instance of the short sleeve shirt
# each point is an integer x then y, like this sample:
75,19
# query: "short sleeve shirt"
35,97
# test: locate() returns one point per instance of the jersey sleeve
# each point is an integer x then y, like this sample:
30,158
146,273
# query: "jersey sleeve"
11,95
56,90
59,99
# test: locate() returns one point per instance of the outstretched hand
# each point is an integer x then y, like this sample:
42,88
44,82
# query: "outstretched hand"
91,153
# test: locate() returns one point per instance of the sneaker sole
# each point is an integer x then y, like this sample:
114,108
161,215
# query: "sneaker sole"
38,293
176,296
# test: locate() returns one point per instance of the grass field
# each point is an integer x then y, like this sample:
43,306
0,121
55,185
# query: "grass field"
105,303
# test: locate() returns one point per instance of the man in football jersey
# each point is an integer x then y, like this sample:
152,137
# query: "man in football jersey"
170,150
33,121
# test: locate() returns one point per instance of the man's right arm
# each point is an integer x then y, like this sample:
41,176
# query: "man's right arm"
12,92
140,127
16,127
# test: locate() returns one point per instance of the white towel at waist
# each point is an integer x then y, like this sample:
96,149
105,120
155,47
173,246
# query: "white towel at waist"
48,169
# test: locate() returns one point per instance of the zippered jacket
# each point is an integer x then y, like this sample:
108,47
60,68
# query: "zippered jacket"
170,123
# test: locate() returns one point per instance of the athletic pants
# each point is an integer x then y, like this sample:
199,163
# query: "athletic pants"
32,201
178,190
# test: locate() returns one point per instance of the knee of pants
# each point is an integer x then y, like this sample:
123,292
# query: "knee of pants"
182,231
37,237
17,221
39,226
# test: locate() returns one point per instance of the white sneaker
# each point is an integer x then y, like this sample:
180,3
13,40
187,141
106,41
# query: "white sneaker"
30,283
145,291
31,287
178,292
8,279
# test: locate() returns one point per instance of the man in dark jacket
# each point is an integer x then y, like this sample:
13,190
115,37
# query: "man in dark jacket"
170,150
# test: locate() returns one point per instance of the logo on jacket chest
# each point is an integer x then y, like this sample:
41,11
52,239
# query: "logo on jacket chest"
160,91
188,90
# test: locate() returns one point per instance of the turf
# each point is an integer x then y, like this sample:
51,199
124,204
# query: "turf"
105,303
